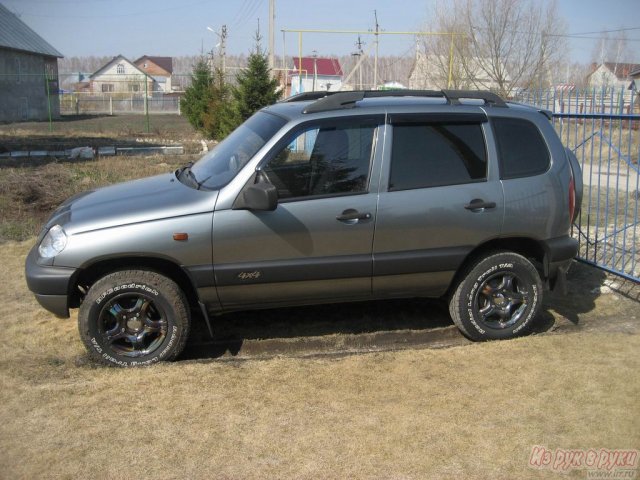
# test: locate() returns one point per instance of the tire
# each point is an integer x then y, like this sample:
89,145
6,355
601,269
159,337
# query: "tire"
497,298
134,318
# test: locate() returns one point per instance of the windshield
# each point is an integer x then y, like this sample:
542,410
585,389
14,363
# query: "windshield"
220,165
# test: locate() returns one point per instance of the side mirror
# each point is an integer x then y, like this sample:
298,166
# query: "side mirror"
259,196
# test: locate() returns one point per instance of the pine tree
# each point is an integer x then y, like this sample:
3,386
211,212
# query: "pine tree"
195,102
219,118
255,88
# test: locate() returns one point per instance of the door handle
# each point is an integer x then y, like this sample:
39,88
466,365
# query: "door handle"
479,204
352,215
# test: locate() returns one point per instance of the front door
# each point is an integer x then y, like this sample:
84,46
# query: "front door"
316,246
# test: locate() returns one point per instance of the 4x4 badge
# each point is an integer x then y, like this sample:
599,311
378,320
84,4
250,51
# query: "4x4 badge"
249,275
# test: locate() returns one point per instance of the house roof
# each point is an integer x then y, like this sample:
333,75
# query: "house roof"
324,66
166,63
119,58
621,70
15,34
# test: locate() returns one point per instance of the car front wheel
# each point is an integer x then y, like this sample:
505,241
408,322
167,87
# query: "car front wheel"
134,318
497,298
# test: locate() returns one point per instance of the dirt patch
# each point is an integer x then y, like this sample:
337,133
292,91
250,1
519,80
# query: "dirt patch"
29,193
595,302
98,131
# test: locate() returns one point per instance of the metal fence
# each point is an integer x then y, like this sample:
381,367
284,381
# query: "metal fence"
601,126
88,103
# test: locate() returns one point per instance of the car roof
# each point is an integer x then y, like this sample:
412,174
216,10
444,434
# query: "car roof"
337,104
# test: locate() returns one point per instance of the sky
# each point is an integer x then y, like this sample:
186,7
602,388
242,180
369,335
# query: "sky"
179,27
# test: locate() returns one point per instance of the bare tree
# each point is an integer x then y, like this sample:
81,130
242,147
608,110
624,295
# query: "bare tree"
501,44
614,50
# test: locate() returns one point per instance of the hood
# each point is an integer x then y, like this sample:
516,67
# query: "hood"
143,200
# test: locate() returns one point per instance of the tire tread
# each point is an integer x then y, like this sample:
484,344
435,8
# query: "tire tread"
174,295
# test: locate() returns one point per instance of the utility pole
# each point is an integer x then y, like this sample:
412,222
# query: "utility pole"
315,70
272,21
375,62
223,49
359,54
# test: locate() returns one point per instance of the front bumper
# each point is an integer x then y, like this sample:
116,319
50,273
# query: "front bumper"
50,284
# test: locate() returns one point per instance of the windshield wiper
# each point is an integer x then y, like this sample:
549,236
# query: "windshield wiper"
200,183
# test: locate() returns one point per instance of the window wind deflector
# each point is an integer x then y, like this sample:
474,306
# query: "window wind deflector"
422,118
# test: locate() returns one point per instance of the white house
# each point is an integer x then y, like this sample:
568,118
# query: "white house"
612,75
431,72
120,75
315,74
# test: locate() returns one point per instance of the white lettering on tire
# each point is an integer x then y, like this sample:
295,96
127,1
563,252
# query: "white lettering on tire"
130,286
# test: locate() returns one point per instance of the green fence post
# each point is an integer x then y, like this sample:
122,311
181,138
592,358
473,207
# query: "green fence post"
146,103
46,81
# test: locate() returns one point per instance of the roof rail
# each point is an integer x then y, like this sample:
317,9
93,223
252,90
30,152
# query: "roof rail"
335,102
490,98
325,101
305,96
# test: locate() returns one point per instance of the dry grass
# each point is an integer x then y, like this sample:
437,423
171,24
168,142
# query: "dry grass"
30,190
596,141
468,412
172,127
29,194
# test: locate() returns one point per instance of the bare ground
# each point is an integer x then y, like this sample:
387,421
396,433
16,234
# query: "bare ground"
472,411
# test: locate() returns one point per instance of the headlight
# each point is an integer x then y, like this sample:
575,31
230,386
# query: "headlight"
53,242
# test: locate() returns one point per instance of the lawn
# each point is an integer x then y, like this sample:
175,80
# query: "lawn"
465,412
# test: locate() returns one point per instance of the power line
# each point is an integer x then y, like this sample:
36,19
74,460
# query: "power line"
592,38
240,13
252,6
256,5
606,31
565,35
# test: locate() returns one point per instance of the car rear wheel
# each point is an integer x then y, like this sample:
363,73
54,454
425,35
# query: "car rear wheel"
134,318
497,298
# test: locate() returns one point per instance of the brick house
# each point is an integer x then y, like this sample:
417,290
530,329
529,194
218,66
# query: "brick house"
159,69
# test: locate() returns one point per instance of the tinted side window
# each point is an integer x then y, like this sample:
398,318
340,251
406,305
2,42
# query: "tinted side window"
521,148
323,161
430,155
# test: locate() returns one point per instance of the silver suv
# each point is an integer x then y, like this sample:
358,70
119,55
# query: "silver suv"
323,198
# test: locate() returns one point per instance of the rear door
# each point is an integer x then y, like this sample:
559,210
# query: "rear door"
317,245
440,197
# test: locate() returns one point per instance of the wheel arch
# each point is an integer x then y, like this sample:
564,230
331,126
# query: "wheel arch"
525,246
89,274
